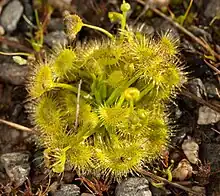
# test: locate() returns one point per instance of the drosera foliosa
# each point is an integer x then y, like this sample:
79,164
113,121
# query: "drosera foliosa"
114,122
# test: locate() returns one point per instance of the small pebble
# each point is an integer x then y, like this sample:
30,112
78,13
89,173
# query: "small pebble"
11,15
56,38
56,24
68,190
13,73
16,166
191,150
197,87
133,187
212,90
207,116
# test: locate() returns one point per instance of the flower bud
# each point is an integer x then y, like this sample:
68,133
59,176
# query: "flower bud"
142,113
125,7
73,25
132,94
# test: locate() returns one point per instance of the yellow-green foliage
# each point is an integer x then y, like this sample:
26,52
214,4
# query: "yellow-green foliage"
100,106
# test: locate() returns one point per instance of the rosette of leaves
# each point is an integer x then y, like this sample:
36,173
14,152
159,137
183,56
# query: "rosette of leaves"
99,106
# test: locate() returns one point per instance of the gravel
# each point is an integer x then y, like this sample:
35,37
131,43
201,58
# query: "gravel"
13,73
197,87
133,187
55,38
11,15
207,116
68,190
212,90
212,9
16,166
56,24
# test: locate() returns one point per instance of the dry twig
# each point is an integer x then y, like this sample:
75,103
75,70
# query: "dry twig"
174,184
15,125
184,30
77,104
200,100
15,44
212,67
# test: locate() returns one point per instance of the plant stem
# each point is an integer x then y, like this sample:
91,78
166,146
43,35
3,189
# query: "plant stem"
99,29
123,21
187,11
132,105
158,178
121,100
15,53
184,30
77,104
15,125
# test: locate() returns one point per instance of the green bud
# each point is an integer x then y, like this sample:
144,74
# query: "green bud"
125,7
132,94
142,113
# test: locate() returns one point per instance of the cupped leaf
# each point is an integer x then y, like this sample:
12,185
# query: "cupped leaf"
117,161
47,116
63,64
41,81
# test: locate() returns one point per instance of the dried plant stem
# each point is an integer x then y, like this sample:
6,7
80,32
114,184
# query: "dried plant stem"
77,105
70,88
15,44
15,53
184,30
212,67
200,100
215,131
15,125
158,178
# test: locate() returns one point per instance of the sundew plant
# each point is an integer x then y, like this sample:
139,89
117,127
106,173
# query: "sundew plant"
100,106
